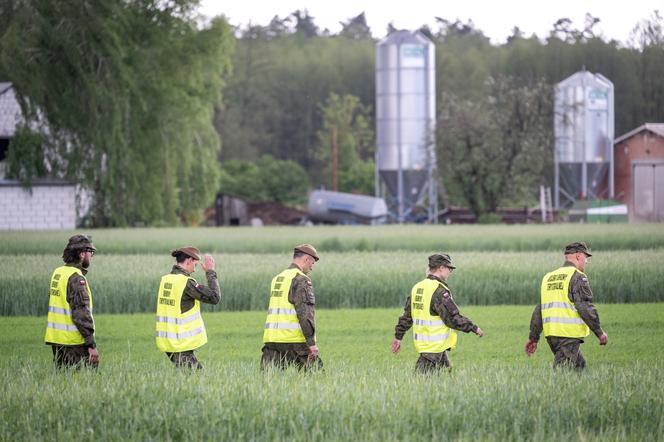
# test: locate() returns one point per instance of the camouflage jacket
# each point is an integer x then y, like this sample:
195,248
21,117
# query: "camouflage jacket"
581,296
193,291
301,295
79,304
443,305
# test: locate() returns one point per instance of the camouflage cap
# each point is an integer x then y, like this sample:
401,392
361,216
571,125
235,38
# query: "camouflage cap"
577,247
190,251
308,249
81,242
440,259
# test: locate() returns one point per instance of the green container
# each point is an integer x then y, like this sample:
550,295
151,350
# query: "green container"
606,211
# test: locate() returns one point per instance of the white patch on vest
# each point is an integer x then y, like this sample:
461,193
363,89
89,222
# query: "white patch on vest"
446,295
82,282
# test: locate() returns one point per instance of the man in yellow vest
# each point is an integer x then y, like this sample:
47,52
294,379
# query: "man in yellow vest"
289,336
70,327
566,312
434,316
180,329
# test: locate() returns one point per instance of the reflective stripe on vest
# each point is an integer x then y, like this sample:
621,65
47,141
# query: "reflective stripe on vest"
176,331
434,323
563,320
430,334
431,338
60,328
282,324
178,321
59,310
559,316
174,335
64,327
281,311
558,305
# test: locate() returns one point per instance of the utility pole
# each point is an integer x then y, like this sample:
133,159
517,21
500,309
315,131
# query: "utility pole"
334,159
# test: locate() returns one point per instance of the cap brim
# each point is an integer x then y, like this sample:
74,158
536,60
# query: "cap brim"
451,267
587,254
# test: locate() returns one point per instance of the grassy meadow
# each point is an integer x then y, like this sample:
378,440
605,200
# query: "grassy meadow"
281,239
494,391
361,267
128,283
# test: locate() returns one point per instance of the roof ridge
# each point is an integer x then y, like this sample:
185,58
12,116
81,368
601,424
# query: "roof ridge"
656,128
5,86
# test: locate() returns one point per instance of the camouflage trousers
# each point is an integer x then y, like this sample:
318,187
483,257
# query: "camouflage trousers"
284,355
184,359
566,352
71,356
432,362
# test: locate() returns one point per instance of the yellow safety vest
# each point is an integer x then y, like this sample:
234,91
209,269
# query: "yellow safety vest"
177,331
559,315
281,324
430,334
60,329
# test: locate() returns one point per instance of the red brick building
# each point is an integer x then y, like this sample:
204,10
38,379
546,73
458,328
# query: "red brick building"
639,172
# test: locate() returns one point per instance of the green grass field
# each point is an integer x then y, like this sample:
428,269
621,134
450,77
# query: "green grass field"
128,283
365,393
361,267
422,238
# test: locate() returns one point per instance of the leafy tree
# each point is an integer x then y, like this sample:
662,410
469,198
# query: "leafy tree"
272,102
356,28
648,32
123,93
265,180
25,158
242,179
359,178
494,151
354,136
304,24
284,181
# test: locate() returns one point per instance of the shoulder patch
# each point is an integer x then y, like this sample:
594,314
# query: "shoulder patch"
197,285
82,282
446,295
309,283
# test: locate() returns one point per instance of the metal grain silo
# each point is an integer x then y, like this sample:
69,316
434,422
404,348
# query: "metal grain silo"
405,123
583,134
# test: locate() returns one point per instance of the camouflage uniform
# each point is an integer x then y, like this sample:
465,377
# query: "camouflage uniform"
79,301
301,295
194,291
443,305
566,351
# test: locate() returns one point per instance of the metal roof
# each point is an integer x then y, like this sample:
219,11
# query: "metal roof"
404,37
10,111
585,78
656,128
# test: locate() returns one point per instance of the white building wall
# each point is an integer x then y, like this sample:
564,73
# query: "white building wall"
45,207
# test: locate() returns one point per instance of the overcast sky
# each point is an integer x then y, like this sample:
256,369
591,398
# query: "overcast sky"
495,18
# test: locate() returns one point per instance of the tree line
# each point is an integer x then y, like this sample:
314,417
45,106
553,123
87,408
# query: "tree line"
134,106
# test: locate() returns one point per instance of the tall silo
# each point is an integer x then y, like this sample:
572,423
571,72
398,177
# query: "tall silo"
583,136
405,123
